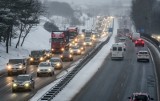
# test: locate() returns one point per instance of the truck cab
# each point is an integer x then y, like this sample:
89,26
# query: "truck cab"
58,41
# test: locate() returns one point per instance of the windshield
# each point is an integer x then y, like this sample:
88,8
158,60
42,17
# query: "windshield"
88,34
23,78
87,40
54,60
37,53
44,64
141,98
72,33
15,61
57,40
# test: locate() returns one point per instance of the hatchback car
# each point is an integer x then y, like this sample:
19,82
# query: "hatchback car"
56,62
23,82
139,42
143,55
66,56
45,68
140,97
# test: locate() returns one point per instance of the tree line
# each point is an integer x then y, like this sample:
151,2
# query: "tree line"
146,15
17,17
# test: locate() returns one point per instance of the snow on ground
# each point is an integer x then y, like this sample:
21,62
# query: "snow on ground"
38,38
79,77
77,83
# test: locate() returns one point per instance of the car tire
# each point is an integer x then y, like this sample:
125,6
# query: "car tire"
13,90
9,73
51,74
38,75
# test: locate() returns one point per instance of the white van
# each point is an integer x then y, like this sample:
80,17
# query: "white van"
135,36
117,51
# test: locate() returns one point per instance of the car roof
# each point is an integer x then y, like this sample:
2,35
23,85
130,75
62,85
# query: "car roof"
143,51
140,94
55,58
24,75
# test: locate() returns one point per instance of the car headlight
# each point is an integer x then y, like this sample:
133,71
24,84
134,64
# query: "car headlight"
26,84
14,85
62,49
49,70
31,59
79,51
41,59
90,43
71,51
58,64
61,56
48,55
82,48
38,70
9,67
20,66
84,43
70,56
52,49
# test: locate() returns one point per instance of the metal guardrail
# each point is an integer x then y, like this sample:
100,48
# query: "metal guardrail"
49,95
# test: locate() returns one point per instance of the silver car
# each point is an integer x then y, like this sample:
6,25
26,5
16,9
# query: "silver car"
56,62
45,68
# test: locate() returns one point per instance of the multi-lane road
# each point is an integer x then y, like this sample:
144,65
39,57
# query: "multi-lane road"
117,80
6,81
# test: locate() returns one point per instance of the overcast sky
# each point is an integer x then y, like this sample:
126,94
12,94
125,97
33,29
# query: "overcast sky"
94,2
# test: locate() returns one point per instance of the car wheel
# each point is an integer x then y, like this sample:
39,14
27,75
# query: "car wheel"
38,75
9,73
13,90
50,74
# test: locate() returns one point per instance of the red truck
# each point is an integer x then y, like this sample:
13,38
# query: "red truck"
59,40
73,32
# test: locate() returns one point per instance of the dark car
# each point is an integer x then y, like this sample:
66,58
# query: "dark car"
16,66
140,97
37,56
23,82
139,42
66,56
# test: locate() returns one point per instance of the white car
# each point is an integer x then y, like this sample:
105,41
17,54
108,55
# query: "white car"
143,55
75,50
45,68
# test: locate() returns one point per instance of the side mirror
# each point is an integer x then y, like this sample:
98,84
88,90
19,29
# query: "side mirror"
7,63
151,99
129,97
12,80
30,55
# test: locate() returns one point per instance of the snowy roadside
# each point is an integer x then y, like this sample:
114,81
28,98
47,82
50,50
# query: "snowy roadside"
79,81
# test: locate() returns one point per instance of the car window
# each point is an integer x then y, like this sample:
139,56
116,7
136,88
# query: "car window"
119,48
23,78
143,53
141,98
15,61
114,48
44,64
54,60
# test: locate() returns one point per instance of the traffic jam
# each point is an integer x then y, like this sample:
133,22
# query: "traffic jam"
66,47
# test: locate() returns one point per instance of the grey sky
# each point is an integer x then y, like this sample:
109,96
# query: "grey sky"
94,2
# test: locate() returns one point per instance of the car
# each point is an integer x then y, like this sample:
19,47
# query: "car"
143,55
37,56
139,42
140,97
75,50
16,66
56,62
88,42
66,56
48,54
45,68
23,82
